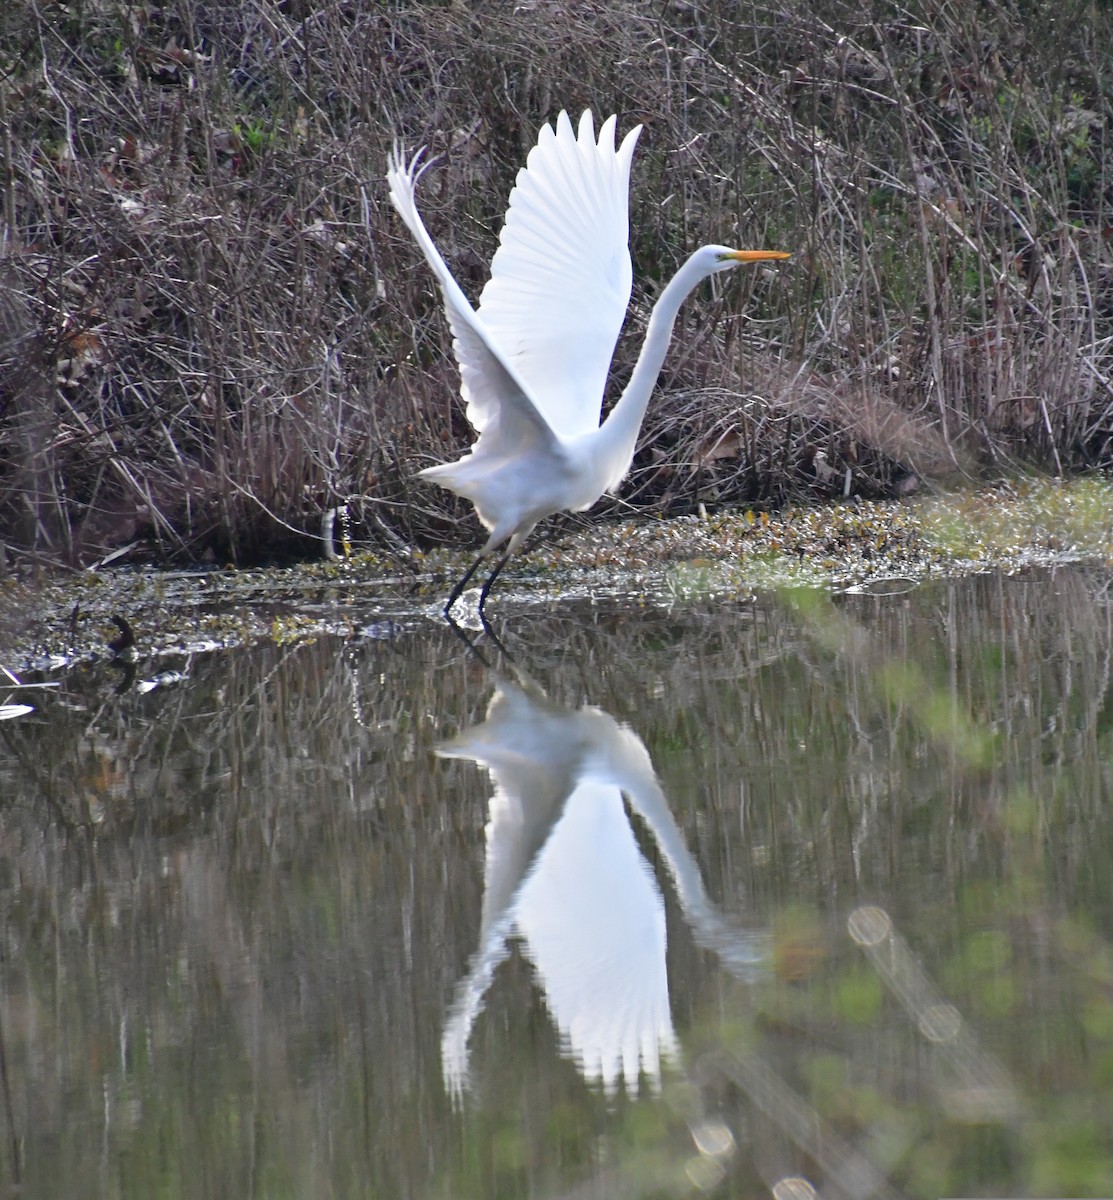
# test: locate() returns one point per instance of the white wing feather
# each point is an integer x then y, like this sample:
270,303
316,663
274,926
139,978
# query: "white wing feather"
497,399
560,279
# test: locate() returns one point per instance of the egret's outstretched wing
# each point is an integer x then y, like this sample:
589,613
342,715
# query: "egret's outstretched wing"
497,398
560,279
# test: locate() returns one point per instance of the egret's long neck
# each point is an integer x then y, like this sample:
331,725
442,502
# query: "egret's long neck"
618,434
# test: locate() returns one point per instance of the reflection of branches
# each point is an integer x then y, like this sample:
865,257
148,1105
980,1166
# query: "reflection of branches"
892,691
977,1087
746,687
264,850
847,1173
9,1111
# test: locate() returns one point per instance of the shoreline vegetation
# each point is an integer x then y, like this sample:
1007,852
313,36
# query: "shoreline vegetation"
64,619
214,331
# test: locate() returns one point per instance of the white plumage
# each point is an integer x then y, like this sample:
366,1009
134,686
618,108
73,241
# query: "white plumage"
534,356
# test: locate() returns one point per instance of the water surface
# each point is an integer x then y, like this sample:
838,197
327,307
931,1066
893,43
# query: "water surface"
730,899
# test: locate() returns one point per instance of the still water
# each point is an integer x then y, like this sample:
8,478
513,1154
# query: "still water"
734,899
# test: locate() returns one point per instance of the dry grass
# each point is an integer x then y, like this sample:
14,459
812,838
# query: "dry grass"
212,328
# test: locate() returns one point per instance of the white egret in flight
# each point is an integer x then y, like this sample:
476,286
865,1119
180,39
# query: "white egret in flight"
534,355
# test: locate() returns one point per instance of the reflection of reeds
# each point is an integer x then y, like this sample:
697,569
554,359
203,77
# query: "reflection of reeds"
843,1170
1023,661
973,1085
264,870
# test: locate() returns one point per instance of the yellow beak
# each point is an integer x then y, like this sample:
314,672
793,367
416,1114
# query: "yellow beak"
757,255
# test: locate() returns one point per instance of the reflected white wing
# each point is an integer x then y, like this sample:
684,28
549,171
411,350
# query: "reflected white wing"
560,279
593,921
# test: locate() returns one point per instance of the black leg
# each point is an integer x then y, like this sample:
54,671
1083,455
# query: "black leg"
491,579
472,647
458,590
489,630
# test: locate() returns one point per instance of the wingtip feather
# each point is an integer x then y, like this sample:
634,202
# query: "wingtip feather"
626,149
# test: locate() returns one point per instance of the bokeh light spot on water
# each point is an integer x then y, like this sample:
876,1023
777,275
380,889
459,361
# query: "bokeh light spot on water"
793,1187
869,925
940,1023
705,1173
712,1138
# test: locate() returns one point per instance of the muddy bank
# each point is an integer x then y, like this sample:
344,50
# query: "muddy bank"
55,621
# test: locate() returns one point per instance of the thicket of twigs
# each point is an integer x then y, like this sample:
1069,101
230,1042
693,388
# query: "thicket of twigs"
213,329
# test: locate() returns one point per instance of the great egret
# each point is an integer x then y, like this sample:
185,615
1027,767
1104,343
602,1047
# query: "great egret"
534,356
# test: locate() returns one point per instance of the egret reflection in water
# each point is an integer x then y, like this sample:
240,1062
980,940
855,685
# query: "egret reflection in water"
564,873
